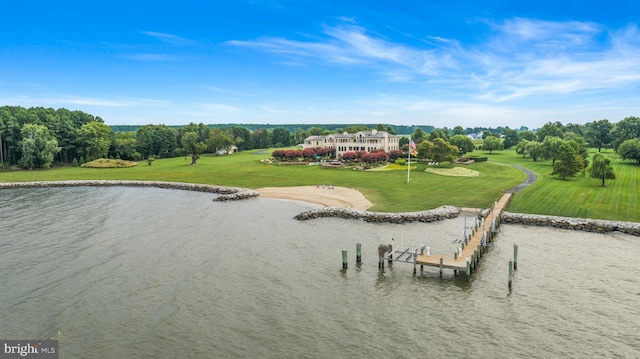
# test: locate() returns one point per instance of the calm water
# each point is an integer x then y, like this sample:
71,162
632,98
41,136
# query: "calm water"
140,273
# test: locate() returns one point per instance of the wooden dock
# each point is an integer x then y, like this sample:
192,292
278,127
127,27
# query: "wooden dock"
472,248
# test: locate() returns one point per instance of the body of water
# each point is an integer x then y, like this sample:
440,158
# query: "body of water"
141,272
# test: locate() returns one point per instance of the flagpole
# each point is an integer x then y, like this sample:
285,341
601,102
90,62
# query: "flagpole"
409,165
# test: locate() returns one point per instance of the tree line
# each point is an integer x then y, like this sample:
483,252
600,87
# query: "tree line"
544,143
565,145
39,137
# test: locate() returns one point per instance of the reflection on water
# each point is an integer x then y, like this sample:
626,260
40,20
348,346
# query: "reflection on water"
143,272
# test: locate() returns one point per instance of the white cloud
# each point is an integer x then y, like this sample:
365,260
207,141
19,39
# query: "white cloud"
168,38
523,58
352,45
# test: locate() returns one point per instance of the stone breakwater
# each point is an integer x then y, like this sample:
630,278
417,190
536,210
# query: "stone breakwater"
437,214
581,224
226,193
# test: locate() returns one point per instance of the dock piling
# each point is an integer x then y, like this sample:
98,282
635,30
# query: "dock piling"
510,272
515,257
344,259
358,252
468,271
415,257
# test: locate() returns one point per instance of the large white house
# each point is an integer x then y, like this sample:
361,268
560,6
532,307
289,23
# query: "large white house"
367,141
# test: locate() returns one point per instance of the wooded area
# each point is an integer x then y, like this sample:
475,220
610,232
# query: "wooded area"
39,137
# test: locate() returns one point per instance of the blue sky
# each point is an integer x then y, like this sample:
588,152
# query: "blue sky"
441,63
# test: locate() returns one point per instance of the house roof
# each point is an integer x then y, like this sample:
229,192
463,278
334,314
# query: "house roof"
365,134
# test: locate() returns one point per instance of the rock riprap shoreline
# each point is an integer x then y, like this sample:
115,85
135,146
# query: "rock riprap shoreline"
580,224
226,193
437,214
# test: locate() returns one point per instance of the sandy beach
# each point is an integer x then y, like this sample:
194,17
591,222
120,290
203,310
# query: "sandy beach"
335,197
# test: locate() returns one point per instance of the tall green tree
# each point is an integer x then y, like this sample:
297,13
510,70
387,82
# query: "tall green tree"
533,149
281,137
97,138
527,135
1,142
550,129
125,144
598,133
510,137
201,129
218,140
601,168
298,136
463,143
242,137
38,147
418,136
576,128
458,130
492,144
521,148
627,129
439,133
569,161
192,146
157,141
550,148
630,150
442,151
424,148
67,134
11,134
261,138
579,144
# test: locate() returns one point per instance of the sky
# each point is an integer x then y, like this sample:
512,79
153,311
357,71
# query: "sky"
440,63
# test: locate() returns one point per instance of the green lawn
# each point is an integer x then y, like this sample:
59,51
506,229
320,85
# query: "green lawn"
581,196
388,190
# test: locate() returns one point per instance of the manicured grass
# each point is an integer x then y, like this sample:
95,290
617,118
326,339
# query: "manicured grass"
581,196
387,190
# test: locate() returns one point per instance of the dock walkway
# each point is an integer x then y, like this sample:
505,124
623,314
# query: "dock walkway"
472,249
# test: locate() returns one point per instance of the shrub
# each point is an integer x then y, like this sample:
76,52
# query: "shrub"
108,163
395,154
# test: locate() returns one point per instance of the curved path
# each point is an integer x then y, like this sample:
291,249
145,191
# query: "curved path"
531,177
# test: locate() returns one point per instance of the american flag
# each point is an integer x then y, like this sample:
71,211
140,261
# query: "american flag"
412,148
